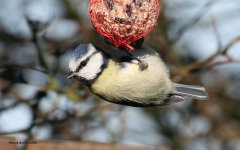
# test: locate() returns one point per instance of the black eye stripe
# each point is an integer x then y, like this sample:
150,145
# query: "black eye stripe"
85,62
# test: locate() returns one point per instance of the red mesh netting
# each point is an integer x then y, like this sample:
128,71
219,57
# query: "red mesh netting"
124,21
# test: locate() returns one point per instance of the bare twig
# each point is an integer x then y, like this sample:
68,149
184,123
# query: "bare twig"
183,72
12,65
194,21
39,52
35,27
219,42
16,103
96,109
228,61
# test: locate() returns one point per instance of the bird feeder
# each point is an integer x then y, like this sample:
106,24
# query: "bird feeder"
123,22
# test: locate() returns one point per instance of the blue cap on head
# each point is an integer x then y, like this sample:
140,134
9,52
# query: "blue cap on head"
81,51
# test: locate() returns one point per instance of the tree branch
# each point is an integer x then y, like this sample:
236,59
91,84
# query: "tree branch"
183,72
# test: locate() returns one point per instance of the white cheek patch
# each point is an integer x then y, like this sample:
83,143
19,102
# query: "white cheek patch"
72,65
93,67
75,61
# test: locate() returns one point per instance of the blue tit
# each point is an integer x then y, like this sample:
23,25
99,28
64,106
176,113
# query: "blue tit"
118,79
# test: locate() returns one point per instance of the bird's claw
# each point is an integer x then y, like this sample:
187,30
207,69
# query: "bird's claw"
143,65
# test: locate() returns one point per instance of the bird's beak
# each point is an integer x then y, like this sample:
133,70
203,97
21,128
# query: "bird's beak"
71,75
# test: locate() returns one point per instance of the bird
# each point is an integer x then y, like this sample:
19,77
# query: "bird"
118,79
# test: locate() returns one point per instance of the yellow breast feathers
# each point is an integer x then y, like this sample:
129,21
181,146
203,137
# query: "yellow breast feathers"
125,80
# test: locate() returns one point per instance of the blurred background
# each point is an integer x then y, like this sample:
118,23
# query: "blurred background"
197,39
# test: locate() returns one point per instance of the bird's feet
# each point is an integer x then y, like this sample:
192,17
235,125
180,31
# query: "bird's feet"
143,65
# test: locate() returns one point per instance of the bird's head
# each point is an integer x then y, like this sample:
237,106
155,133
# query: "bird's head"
86,63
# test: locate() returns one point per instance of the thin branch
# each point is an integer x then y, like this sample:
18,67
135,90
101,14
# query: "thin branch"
194,21
39,52
15,132
219,42
186,70
229,61
35,27
12,65
16,103
96,109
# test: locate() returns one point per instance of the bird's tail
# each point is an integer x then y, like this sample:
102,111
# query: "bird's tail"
192,91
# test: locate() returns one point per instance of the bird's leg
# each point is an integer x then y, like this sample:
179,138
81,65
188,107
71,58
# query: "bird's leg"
138,44
141,63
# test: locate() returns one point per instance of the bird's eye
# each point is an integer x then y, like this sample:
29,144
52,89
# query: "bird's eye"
83,64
